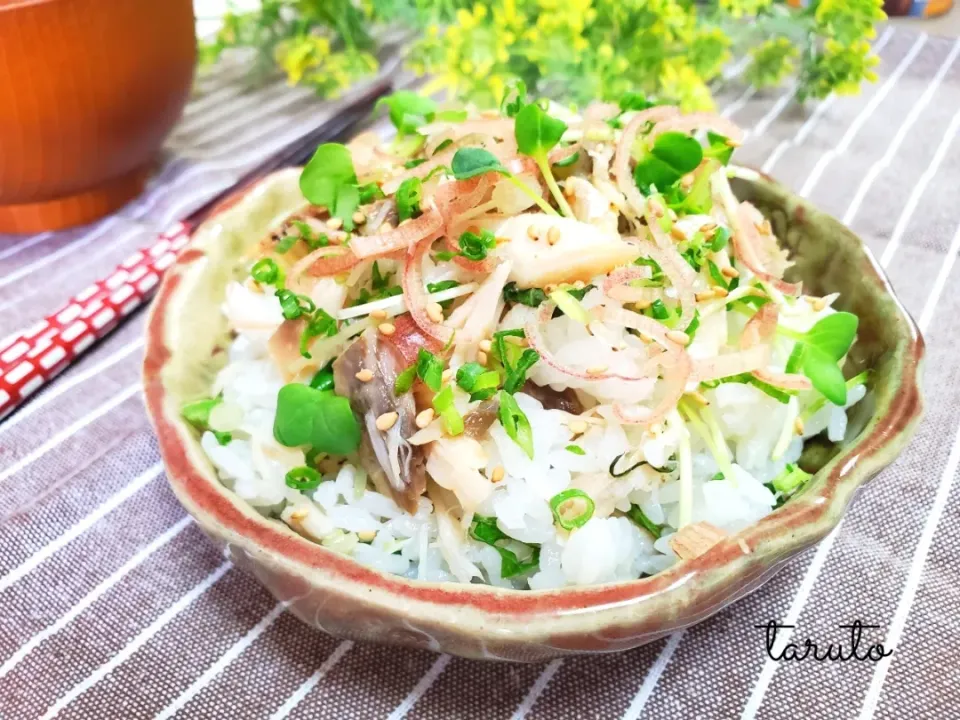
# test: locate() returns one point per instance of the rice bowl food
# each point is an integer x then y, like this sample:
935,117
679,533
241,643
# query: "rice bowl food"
532,349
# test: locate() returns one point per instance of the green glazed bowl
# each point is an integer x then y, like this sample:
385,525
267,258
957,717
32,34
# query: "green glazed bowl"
186,336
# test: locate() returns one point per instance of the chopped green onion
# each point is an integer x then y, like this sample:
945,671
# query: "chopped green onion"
515,422
404,380
576,450
718,476
284,244
475,247
568,161
440,286
781,396
443,146
266,272
447,410
293,305
718,242
429,369
716,275
474,378
223,438
303,478
531,297
790,480
570,306
408,198
323,379
659,311
640,518
485,530
197,413
560,505
369,193
410,164
321,324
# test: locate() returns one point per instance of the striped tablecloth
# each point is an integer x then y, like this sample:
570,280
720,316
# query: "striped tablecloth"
113,605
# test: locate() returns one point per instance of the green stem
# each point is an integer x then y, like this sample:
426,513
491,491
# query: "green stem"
543,204
547,173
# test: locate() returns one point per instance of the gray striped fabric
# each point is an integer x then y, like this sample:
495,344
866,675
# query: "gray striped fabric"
114,605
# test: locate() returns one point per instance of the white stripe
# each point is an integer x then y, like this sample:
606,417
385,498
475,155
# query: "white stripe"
536,690
70,383
93,596
820,557
653,676
228,657
817,113
901,135
868,111
90,417
920,188
739,102
45,260
265,104
732,71
926,315
80,527
24,244
761,127
311,682
138,642
420,688
913,580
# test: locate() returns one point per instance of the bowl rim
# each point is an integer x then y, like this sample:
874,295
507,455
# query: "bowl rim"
647,606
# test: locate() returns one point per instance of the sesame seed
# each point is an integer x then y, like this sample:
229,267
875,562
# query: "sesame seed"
298,515
366,535
597,370
359,218
577,427
435,312
482,357
497,474
553,236
387,421
729,271
798,426
646,338
709,229
378,314
703,295
387,328
677,233
446,375
720,292
424,418
334,223
486,345
678,336
533,233
819,304
686,182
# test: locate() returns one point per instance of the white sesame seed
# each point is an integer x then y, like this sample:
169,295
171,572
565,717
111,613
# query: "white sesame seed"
387,421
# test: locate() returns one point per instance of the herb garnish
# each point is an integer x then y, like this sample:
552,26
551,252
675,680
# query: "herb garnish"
485,530
672,155
303,478
471,161
408,198
819,350
515,422
560,506
640,518
537,134
319,419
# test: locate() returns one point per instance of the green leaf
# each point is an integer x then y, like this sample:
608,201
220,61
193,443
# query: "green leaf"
825,374
408,110
370,192
319,419
485,530
567,162
536,132
672,156
576,450
716,275
513,99
634,101
470,162
833,334
328,172
719,147
408,198
515,422
531,297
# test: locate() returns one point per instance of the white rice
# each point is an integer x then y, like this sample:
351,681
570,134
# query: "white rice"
346,514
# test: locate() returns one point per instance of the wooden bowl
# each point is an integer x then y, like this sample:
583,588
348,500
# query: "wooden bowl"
89,89
186,335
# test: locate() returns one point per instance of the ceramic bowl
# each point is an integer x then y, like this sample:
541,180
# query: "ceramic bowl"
186,335
89,89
